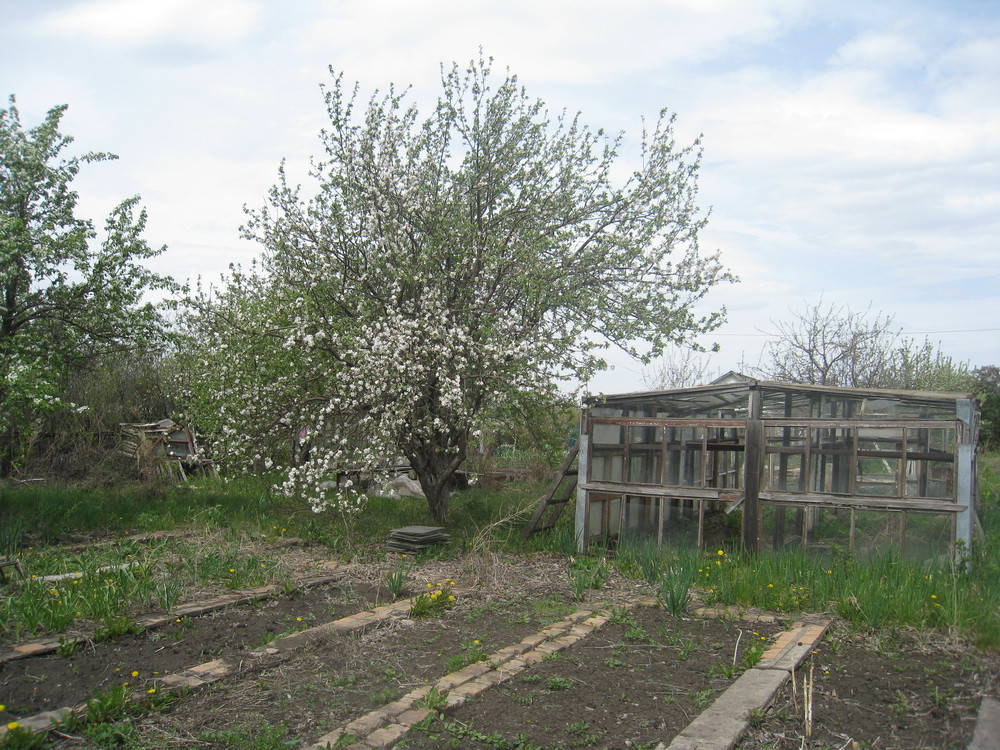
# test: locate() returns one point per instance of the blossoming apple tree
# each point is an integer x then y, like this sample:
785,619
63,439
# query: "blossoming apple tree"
66,300
436,267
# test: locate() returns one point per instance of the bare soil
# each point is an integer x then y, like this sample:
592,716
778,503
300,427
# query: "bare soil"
630,684
883,690
48,682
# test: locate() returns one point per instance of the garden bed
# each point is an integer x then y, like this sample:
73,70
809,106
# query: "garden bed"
635,682
51,681
882,690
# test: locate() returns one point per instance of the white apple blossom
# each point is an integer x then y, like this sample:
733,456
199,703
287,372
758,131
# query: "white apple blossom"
437,270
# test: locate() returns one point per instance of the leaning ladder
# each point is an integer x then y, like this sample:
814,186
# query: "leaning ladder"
551,505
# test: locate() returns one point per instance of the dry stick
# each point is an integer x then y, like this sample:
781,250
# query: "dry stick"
737,647
808,700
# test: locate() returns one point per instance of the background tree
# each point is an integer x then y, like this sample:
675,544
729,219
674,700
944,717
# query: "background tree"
443,265
988,392
65,300
833,345
679,367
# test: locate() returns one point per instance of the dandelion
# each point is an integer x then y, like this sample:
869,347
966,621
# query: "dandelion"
933,596
12,726
3,707
151,691
118,669
232,570
430,585
720,552
298,619
134,673
451,597
475,643
770,585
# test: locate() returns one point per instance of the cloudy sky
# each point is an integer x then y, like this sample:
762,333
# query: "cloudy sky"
852,149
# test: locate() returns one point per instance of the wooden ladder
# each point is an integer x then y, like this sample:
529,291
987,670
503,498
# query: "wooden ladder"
551,505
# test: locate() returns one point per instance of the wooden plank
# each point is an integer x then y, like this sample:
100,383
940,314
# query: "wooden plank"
863,503
754,467
656,490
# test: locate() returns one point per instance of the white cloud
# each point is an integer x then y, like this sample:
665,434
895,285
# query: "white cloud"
139,21
881,50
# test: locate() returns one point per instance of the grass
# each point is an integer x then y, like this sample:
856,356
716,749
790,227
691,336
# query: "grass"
878,593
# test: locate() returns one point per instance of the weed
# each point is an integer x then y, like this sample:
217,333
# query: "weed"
723,671
529,677
687,646
614,663
434,700
68,646
620,616
578,727
753,654
383,696
559,683
397,579
107,705
755,717
116,627
472,652
435,601
636,632
700,698
262,736
524,700
22,738
900,707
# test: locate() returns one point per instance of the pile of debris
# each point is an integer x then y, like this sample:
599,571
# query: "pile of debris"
416,538
165,449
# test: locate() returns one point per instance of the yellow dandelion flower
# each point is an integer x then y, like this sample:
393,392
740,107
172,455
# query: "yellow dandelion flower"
134,673
720,552
232,570
12,726
933,596
430,585
476,643
151,691
770,585
3,707
451,597
298,619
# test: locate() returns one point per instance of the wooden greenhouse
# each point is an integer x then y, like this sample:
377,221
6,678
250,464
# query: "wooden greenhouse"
807,465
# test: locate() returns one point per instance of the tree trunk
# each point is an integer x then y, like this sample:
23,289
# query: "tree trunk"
435,470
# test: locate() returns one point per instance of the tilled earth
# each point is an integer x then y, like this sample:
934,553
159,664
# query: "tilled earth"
887,690
634,682
48,682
